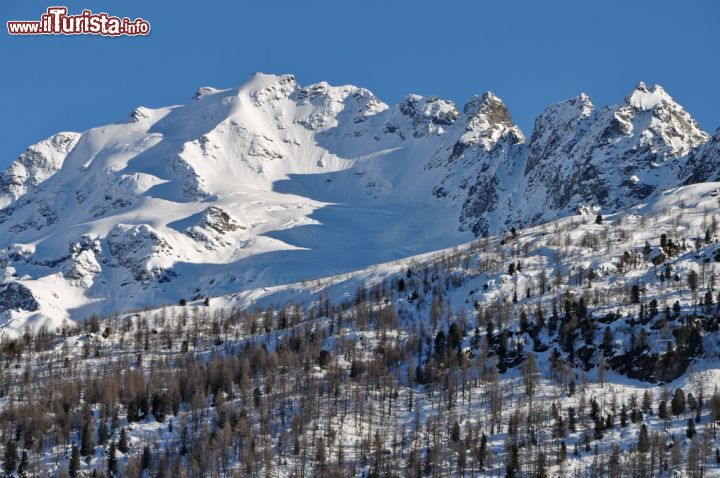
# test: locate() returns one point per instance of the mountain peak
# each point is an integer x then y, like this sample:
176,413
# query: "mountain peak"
259,80
428,114
644,98
475,104
488,119
204,90
671,132
489,96
263,87
35,165
568,110
584,97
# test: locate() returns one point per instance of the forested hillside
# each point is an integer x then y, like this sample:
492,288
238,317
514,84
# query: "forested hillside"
587,346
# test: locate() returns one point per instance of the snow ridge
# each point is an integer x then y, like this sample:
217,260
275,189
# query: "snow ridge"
274,182
35,165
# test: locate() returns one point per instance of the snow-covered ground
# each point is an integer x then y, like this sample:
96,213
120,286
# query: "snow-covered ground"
496,280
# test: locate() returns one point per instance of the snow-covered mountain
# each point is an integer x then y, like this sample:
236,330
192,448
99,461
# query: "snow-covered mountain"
612,157
35,165
704,163
273,183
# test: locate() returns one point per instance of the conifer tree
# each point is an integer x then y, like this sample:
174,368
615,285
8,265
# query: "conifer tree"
562,454
455,432
690,430
122,443
74,466
541,471
10,458
146,457
513,462
23,466
643,440
677,404
102,433
112,459
87,443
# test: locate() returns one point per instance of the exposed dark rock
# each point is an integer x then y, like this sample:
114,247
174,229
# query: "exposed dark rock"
15,296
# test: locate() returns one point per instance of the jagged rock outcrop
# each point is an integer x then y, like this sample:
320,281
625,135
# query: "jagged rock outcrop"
428,114
484,159
140,249
610,158
16,296
704,163
215,228
82,265
35,165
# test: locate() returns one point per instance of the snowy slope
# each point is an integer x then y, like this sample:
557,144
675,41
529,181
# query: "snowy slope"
34,166
481,290
272,183
682,213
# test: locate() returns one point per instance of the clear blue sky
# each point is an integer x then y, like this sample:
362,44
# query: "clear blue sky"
531,53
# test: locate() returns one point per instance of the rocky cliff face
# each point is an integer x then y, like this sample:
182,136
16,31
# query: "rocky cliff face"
483,161
275,182
609,158
577,157
703,164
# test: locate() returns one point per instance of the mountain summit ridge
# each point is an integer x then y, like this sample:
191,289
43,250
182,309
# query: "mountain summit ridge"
273,182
